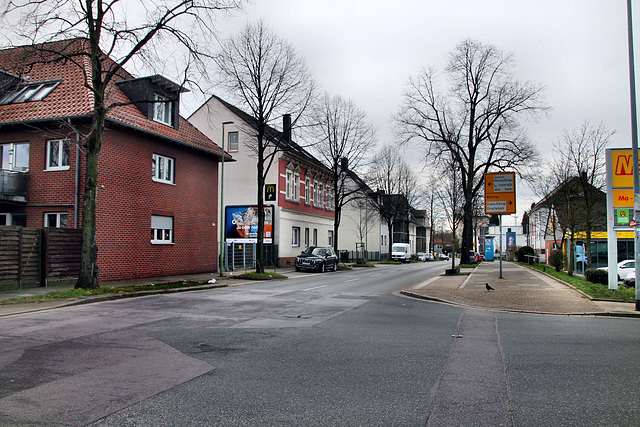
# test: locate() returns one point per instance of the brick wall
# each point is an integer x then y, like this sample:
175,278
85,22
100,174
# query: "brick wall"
126,199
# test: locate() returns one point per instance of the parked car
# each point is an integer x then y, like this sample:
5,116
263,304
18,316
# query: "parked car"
624,268
401,252
630,280
444,257
430,257
317,258
422,256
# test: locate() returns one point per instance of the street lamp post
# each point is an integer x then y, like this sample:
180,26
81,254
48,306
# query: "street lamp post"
221,226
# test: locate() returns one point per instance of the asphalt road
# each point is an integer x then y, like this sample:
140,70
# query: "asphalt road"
319,349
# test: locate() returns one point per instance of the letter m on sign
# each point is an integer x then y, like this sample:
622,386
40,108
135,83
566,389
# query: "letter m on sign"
624,165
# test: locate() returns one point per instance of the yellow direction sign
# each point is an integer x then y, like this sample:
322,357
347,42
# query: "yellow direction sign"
500,193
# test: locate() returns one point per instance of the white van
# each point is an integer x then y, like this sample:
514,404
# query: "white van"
401,252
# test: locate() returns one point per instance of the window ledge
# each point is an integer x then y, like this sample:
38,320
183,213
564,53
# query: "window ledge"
57,169
162,182
155,242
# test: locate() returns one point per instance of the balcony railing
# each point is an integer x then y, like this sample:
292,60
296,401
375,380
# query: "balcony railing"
14,186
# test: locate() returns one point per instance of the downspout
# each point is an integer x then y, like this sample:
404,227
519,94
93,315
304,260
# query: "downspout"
77,176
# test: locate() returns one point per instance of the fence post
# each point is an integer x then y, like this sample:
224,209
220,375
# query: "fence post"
20,258
44,257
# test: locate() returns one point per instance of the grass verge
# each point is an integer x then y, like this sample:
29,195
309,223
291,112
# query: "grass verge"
105,290
594,290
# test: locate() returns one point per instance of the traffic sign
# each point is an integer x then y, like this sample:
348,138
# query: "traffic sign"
500,193
270,192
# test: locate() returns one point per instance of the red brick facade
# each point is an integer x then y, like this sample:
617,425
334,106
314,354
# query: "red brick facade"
127,197
127,194
303,171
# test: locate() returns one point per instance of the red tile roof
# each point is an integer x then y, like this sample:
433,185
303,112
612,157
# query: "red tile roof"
73,99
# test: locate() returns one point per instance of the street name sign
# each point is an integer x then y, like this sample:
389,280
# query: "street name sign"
500,193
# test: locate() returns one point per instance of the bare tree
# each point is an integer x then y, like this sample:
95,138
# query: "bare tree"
391,175
476,122
344,137
268,78
450,195
432,206
116,36
578,171
366,217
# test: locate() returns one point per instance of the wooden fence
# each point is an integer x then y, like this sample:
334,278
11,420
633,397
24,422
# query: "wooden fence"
29,257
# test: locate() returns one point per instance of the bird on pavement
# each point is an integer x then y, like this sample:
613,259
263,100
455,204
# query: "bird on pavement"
489,288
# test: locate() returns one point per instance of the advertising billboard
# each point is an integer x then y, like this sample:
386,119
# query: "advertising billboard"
511,239
241,224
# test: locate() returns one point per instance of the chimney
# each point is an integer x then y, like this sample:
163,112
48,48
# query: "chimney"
286,127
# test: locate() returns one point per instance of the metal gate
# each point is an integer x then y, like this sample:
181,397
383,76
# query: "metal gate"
242,256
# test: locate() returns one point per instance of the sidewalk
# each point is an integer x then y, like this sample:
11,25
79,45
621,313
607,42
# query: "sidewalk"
16,309
520,290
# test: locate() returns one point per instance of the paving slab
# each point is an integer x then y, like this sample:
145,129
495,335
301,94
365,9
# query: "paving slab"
519,289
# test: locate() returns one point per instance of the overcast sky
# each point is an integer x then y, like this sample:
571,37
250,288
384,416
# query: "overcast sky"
365,50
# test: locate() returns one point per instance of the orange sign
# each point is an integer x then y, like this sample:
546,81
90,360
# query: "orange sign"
623,198
500,193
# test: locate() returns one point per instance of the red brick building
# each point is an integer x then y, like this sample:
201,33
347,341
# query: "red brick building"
157,180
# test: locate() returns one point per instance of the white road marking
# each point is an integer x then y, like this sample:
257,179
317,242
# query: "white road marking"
315,287
352,280
378,274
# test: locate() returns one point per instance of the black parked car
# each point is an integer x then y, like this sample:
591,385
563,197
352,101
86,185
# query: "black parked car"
317,258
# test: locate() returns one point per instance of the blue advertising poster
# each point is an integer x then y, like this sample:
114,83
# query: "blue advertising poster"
241,224
488,248
511,239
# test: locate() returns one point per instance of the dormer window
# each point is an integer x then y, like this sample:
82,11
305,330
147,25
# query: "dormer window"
29,92
162,110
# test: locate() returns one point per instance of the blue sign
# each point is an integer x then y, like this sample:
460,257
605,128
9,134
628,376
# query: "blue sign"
488,248
511,239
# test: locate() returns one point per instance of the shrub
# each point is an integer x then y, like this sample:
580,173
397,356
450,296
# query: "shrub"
556,259
594,275
521,254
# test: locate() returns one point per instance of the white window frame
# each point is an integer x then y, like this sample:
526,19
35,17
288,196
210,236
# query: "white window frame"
161,230
288,185
306,237
30,92
234,148
330,238
293,186
12,153
307,191
7,218
317,197
295,237
169,163
60,218
163,110
315,237
62,144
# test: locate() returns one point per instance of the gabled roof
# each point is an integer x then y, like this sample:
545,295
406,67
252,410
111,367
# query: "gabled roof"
72,99
276,137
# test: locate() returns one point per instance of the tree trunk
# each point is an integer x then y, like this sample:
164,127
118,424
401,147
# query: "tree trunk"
260,237
467,233
88,276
